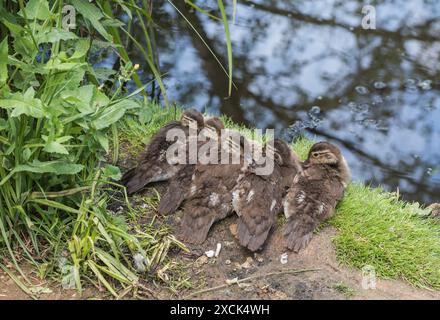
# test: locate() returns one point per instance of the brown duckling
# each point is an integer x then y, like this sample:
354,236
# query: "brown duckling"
435,210
153,165
257,199
209,198
314,193
178,187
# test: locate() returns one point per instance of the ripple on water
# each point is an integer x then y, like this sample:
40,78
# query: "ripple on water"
379,85
425,84
358,108
313,121
361,90
314,111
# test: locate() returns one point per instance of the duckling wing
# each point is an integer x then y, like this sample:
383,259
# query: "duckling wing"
153,165
176,191
179,187
209,200
256,200
308,203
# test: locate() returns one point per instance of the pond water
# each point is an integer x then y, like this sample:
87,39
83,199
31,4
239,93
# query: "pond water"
374,93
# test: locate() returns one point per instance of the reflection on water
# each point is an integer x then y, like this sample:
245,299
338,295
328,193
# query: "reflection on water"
376,92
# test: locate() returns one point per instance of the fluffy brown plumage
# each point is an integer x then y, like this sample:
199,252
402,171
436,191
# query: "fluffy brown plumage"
257,198
435,210
209,199
314,193
178,188
152,164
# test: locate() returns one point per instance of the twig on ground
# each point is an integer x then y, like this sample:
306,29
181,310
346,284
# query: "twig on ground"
253,277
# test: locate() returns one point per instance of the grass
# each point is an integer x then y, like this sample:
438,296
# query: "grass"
344,289
393,236
374,227
134,136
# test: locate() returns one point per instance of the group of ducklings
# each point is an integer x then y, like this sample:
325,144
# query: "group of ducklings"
307,192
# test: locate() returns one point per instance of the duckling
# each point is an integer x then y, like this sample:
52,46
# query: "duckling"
435,210
153,165
178,187
209,197
257,199
314,193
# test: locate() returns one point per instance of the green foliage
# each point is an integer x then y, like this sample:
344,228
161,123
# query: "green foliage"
397,238
56,125
59,117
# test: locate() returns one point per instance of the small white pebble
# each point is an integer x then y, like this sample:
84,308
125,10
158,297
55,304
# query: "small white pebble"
218,249
284,258
210,253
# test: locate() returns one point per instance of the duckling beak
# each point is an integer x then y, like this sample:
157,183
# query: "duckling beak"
306,163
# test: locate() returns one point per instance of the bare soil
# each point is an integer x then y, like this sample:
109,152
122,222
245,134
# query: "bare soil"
329,280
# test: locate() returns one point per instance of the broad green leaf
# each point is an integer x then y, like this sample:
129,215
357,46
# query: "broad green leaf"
115,23
103,74
145,115
112,172
55,35
29,93
82,46
56,167
62,66
63,139
37,9
23,104
13,27
100,99
55,147
81,98
107,117
93,14
103,141
3,61
27,154
113,113
25,46
127,104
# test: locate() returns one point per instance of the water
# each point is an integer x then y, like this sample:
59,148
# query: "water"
375,93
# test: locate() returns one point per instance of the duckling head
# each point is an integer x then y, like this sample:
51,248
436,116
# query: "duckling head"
213,127
192,116
325,153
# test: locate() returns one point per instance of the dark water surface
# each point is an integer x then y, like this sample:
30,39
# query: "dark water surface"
378,91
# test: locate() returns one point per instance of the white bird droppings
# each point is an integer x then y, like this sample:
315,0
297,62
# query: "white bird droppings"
284,258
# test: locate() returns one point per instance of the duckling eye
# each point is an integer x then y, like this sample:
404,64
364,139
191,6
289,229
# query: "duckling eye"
315,155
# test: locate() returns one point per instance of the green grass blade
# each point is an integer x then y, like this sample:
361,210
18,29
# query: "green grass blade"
228,42
204,42
20,284
101,278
